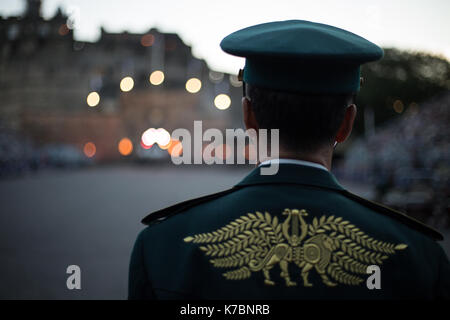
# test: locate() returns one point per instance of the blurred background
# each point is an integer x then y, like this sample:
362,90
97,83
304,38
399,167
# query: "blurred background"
83,83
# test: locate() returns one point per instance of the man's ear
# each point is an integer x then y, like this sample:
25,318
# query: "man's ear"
347,124
249,116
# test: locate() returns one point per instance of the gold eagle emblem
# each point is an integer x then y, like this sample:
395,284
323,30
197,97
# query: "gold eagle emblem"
331,246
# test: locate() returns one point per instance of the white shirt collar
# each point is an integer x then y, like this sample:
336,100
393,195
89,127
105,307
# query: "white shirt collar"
294,161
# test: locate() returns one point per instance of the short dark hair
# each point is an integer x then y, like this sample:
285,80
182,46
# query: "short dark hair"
306,121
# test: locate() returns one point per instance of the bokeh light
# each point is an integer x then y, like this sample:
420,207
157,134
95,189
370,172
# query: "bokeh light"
175,149
147,40
157,77
89,149
93,99
149,137
144,146
222,101
125,146
166,146
193,85
162,137
398,106
126,84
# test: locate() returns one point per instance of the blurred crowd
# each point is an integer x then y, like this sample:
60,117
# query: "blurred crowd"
19,155
407,162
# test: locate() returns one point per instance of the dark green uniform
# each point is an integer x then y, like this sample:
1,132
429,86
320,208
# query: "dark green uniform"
294,235
297,234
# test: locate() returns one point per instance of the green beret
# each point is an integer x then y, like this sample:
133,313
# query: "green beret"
301,56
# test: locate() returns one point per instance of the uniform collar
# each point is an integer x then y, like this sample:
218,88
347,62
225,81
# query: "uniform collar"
294,161
289,173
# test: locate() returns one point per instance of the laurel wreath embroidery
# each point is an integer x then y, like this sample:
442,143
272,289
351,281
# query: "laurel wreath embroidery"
257,242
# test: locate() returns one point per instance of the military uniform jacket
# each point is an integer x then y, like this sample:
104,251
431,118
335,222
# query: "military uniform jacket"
294,235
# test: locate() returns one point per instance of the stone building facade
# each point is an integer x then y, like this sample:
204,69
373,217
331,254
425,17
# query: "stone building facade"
46,76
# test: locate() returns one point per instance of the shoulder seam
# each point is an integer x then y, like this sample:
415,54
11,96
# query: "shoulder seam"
398,215
165,213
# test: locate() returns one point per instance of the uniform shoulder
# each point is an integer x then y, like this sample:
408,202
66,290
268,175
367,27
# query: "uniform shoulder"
397,215
160,215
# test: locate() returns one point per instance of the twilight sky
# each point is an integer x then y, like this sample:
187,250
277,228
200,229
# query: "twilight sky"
407,24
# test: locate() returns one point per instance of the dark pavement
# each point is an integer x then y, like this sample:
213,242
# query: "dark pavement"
88,217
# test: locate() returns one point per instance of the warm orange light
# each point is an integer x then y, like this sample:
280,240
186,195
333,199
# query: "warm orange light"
147,40
125,146
175,149
166,146
89,149
398,106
